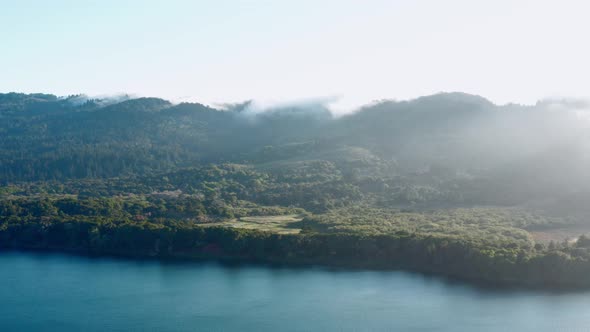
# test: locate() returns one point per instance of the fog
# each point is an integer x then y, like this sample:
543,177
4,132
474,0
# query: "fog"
539,150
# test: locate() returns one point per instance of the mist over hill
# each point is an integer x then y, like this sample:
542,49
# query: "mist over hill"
528,151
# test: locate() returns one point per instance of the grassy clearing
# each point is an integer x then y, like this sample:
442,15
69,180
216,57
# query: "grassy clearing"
286,224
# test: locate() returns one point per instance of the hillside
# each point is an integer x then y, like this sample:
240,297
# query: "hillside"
452,175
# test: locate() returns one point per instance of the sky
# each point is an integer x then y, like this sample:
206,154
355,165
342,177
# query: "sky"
345,52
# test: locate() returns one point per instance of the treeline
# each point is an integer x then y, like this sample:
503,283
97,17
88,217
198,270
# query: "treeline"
558,266
480,244
167,206
321,189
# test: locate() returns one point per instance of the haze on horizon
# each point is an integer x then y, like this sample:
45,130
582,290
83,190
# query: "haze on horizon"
343,51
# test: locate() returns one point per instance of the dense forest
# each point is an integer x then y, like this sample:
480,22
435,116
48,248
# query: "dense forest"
450,184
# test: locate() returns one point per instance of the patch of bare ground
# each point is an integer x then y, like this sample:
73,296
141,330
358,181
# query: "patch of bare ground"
286,224
569,233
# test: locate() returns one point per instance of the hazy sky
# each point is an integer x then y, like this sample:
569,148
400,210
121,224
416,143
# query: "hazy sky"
226,51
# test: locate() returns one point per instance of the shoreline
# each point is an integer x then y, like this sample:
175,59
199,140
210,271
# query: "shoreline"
334,266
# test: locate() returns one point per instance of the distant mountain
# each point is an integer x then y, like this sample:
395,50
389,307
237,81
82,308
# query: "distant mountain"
457,135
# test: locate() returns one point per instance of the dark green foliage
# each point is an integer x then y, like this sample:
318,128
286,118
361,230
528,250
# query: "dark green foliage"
437,253
428,184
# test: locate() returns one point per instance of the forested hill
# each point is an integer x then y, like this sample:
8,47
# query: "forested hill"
450,184
520,151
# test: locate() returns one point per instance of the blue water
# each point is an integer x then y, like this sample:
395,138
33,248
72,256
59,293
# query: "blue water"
54,292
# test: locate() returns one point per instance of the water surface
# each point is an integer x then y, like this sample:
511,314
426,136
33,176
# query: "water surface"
55,292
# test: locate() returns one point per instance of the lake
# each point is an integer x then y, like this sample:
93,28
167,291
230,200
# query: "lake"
55,292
